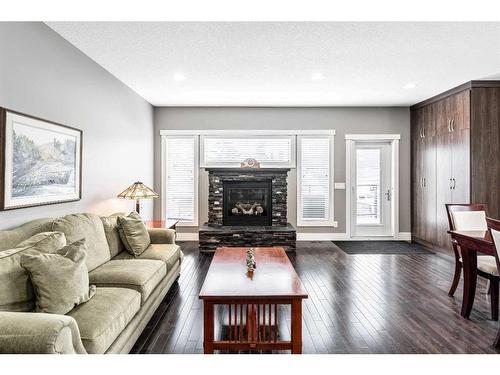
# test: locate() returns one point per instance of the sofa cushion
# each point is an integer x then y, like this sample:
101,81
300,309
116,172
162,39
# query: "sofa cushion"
134,234
115,243
103,318
167,253
12,237
142,275
45,242
90,227
60,279
16,290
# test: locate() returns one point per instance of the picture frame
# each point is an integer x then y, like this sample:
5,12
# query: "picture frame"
40,161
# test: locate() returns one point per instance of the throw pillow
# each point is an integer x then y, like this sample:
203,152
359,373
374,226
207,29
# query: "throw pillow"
133,233
112,236
60,279
16,288
88,226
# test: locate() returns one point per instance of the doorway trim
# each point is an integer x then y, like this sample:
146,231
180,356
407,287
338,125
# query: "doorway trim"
393,139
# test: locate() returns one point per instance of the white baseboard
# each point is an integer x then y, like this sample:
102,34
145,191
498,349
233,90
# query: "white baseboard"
401,236
322,237
404,236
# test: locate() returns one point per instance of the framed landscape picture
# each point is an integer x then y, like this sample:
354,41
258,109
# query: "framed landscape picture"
40,161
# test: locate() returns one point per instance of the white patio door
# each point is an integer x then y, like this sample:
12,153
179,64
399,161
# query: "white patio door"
371,189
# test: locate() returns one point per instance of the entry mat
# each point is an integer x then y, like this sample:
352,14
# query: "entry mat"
380,247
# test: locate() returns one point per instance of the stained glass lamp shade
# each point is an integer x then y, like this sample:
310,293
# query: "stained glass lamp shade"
138,191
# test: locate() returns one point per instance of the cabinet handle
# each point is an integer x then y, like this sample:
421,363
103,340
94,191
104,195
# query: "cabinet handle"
425,182
452,124
451,184
449,125
423,132
454,184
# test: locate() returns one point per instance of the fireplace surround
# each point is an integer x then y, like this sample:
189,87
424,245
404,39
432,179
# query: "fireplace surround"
247,207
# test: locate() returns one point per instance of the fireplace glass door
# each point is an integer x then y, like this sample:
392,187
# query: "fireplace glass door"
247,203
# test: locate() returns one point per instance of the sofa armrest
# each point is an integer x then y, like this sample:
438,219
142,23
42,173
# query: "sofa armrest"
29,333
161,235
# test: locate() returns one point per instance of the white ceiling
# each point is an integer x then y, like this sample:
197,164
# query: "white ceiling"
289,64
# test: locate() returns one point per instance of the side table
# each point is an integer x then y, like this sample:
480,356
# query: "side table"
167,224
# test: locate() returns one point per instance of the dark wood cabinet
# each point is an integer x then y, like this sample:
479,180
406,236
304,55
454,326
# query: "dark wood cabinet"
429,190
455,157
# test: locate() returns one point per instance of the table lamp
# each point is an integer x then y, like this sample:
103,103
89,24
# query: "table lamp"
138,191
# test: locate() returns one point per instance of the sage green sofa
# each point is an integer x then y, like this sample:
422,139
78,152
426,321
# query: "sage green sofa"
129,290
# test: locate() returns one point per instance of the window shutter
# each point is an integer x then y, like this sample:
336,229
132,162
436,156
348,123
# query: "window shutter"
314,176
269,151
181,178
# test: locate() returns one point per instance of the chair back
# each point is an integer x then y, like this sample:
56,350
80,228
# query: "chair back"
494,228
467,216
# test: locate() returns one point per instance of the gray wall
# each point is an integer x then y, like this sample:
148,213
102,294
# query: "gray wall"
43,75
369,120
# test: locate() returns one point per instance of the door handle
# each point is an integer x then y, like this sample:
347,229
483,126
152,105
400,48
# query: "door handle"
388,193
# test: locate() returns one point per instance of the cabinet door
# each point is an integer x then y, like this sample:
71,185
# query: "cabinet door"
459,110
443,187
419,191
429,191
416,173
429,120
441,116
460,165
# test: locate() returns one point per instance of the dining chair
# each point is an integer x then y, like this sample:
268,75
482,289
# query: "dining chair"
472,217
494,228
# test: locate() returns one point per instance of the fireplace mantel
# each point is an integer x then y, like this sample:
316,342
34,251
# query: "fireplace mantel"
252,170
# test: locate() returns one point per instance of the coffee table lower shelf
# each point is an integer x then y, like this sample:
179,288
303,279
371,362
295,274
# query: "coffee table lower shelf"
252,324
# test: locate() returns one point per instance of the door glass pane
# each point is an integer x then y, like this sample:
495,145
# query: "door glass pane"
368,186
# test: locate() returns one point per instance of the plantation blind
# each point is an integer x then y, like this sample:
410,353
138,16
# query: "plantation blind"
315,206
181,178
230,151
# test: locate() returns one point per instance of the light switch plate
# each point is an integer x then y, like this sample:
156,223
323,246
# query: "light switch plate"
335,224
340,185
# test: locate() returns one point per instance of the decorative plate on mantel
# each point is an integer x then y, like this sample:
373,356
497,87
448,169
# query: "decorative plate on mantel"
250,163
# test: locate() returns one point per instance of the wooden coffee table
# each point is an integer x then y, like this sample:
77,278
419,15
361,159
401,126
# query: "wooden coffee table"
251,301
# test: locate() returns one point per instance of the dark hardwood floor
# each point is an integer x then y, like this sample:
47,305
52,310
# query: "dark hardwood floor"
357,304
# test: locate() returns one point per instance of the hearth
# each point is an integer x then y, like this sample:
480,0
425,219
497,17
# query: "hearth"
247,203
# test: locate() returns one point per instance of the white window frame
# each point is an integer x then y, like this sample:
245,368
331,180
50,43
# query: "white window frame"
315,222
197,133
350,144
290,164
163,198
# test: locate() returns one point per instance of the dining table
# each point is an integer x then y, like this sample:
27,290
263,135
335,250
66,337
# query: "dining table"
471,243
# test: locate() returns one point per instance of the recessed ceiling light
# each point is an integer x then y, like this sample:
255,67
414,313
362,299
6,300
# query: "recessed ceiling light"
179,77
317,76
409,85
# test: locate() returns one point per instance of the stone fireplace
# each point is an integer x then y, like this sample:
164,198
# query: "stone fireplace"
247,207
